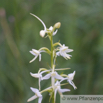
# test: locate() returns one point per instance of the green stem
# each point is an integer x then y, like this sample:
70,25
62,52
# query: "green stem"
52,52
52,79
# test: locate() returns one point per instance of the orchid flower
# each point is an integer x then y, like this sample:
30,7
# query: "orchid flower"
38,75
36,53
53,74
37,95
70,77
63,50
43,32
58,88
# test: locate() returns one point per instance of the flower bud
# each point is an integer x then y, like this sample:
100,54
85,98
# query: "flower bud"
42,33
57,25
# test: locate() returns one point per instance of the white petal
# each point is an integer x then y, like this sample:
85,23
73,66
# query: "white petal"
71,76
53,81
33,58
64,90
71,82
55,92
38,94
40,21
46,76
69,50
32,98
32,52
39,57
40,99
34,89
51,28
58,53
58,76
55,32
36,75
39,84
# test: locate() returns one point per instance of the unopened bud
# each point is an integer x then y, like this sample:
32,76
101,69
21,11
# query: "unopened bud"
57,25
42,33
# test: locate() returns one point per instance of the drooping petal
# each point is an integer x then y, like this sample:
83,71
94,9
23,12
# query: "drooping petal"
71,82
32,98
36,75
46,76
33,58
39,83
40,99
55,92
53,81
39,57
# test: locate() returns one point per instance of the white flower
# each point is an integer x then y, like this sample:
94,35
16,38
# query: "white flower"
63,50
50,29
36,53
37,95
70,77
38,75
53,74
43,32
58,88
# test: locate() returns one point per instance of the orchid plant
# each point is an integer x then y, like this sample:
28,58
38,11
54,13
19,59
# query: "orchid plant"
57,49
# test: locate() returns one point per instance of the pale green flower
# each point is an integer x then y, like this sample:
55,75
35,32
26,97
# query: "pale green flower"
57,88
39,76
37,95
70,77
36,53
43,32
53,74
63,50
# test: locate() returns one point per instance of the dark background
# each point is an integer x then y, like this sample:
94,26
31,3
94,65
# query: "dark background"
81,30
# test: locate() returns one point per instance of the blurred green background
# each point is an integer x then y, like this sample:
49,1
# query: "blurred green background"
81,30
